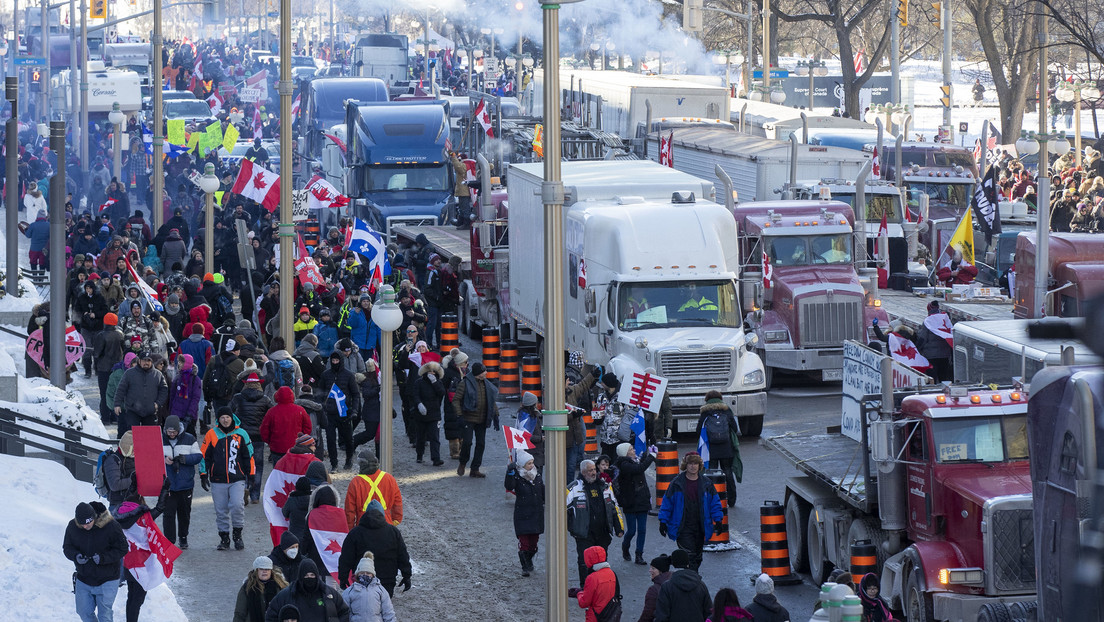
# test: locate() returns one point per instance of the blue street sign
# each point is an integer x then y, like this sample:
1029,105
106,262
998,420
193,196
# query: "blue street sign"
21,61
273,14
775,73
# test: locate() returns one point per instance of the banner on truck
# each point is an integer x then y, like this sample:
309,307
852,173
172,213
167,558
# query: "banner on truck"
862,375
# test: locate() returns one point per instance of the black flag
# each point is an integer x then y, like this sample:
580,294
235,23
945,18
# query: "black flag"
985,205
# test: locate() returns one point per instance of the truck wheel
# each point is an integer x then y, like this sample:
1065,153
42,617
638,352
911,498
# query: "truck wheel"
994,612
867,528
918,604
797,526
1028,610
819,566
752,426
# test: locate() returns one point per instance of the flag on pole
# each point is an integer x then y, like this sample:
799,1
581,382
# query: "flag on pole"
666,155
363,240
962,240
279,486
905,353
883,262
877,164
151,555
338,396
215,102
768,271
259,184
703,448
638,427
147,291
985,205
328,528
324,194
517,438
259,81
483,118
257,129
295,108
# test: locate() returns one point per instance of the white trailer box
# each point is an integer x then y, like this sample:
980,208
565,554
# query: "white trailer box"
105,87
759,167
635,257
778,122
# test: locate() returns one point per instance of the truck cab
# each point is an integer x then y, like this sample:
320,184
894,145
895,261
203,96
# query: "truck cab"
945,173
812,299
1076,270
323,107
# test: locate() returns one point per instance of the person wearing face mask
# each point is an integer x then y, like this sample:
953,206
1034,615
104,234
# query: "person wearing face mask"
174,313
524,480
309,594
285,555
367,599
338,415
261,586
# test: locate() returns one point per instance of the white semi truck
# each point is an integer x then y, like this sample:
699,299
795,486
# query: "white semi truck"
650,280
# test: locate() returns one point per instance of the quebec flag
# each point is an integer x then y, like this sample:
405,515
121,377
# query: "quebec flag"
703,448
638,425
338,396
363,240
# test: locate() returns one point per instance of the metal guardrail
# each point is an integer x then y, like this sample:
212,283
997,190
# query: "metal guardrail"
77,457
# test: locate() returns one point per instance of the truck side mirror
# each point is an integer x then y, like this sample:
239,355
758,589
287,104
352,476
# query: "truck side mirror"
590,307
882,436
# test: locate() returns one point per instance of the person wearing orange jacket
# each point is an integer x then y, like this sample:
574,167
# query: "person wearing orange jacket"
372,483
226,467
601,590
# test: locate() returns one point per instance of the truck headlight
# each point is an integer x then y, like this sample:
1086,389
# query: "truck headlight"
775,335
755,377
959,576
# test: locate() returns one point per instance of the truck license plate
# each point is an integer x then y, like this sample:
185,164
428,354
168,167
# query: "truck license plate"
832,374
687,425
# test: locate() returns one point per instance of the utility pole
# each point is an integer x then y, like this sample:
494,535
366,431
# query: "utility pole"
83,116
44,42
947,88
895,23
287,226
156,207
766,48
11,185
1042,217
57,259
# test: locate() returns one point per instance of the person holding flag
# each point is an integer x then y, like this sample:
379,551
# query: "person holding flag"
956,264
718,432
529,419
634,496
523,478
342,399
691,511
935,342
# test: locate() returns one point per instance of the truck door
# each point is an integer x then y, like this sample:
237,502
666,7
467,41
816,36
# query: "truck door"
919,456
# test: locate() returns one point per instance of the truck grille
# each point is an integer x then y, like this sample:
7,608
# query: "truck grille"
1013,550
829,323
696,371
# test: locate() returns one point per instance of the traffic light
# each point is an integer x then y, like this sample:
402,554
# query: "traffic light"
902,12
938,6
36,80
98,9
692,15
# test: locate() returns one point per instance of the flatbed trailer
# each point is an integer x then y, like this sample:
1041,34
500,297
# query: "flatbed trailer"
830,458
911,309
447,241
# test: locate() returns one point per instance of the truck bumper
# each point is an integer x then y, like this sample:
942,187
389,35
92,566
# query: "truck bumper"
686,407
951,606
804,360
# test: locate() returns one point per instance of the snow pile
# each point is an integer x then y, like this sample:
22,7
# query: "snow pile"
26,300
41,400
35,577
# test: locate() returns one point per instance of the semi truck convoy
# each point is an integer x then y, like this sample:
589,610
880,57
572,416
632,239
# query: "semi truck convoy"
649,276
323,107
385,56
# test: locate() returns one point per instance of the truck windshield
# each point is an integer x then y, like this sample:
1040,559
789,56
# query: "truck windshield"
957,195
684,303
397,178
186,108
981,439
792,250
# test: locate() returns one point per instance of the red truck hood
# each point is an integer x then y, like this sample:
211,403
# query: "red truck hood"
980,482
792,277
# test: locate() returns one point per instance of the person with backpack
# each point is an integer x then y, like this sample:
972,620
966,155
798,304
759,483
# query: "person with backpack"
631,488
310,361
691,511
139,394
684,597
227,465
199,348
107,354
722,432
185,394
250,407
219,377
601,594
282,368
611,412
181,457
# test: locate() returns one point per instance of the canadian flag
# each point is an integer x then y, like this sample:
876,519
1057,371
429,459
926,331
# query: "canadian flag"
666,156
324,194
259,80
198,70
279,486
940,324
582,272
215,102
256,122
905,353
328,528
484,119
517,438
295,108
305,268
883,264
150,556
259,184
768,271
877,164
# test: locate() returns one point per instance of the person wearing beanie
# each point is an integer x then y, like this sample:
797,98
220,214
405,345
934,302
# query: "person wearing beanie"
608,413
177,318
600,589
660,571
530,419
119,473
373,533
107,352
297,506
185,393
475,404
227,464
765,605
634,497
287,613
181,457
95,544
89,310
308,598
285,554
933,341
721,431
140,393
368,600
261,586
684,597
38,231
304,324
325,506
523,478
455,365
198,347
372,484
338,416
690,507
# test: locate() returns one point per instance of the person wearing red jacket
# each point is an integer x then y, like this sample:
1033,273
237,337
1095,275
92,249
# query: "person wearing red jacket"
601,589
283,423
200,315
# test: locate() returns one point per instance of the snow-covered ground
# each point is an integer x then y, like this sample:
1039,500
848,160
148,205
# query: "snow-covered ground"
35,577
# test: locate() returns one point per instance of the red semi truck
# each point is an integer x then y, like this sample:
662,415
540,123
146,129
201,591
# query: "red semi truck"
1076,267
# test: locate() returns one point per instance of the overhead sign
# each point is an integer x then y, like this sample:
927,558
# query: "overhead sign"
862,375
774,73
30,61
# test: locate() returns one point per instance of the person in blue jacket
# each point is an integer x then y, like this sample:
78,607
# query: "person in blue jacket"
181,457
39,232
366,334
326,331
691,510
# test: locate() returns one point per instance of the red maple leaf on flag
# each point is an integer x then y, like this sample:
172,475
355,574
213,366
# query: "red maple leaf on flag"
281,495
906,350
135,557
333,547
259,181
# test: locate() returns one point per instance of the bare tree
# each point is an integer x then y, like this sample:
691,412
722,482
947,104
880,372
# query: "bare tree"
1005,31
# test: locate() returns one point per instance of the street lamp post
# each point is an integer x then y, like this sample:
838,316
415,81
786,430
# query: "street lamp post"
11,192
117,118
209,184
156,207
1075,91
287,225
815,68
387,315
57,258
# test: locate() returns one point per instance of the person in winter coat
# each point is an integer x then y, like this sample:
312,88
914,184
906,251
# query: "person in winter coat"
326,331
372,484
691,511
600,588
684,597
530,419
310,361
577,393
373,533
250,407
227,465
282,369
107,353
765,606
660,572
139,394
365,333
95,543
198,347
634,497
474,403
934,347
308,402
185,394
369,406
304,325
430,390
135,323
261,585
957,272
874,609
39,233
311,597
181,457
130,359
524,480
722,430
285,555
173,250
200,315
726,607
283,424
297,507
612,412
174,313
90,309
338,415
455,365
592,514
368,601
323,495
